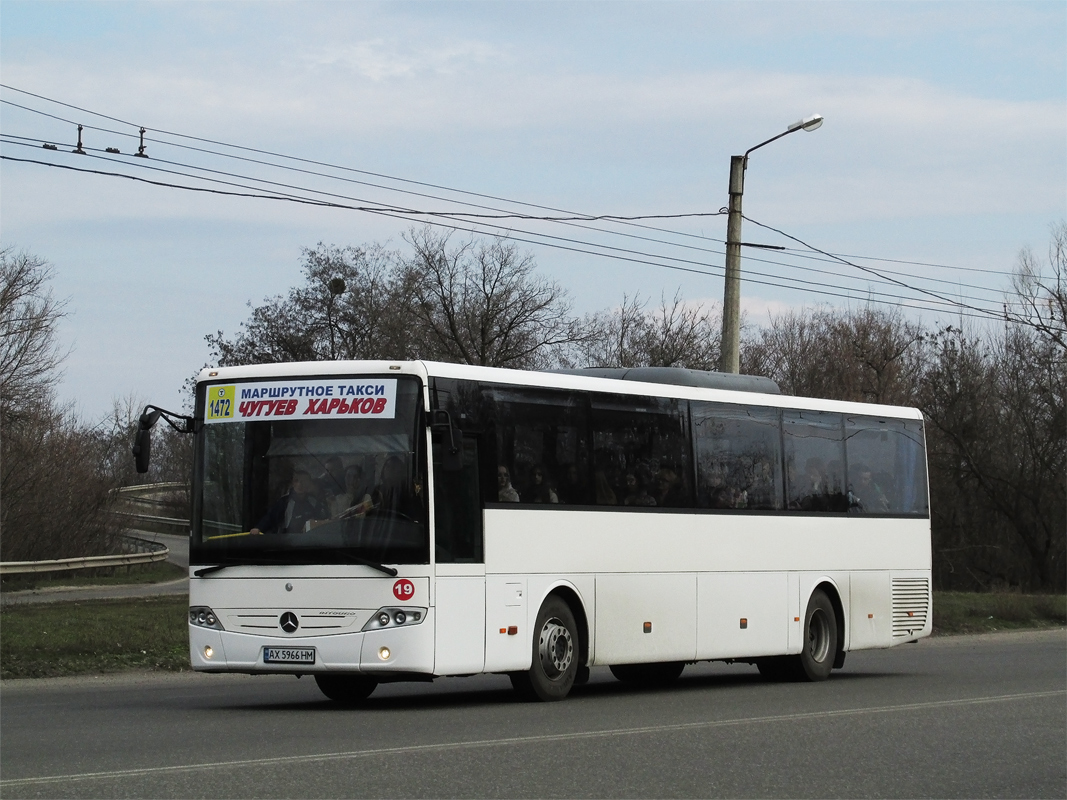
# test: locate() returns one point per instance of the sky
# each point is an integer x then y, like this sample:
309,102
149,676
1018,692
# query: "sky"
943,153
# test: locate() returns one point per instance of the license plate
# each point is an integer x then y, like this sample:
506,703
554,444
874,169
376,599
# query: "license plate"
288,655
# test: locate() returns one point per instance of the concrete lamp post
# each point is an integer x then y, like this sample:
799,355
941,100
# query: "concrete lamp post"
729,359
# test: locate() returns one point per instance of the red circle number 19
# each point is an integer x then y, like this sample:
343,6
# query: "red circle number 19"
403,589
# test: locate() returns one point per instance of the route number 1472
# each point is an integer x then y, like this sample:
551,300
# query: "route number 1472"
220,407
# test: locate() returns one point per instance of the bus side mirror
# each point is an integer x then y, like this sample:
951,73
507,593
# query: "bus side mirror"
142,445
451,440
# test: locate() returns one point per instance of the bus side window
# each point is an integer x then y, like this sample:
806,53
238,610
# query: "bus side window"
886,466
642,451
541,444
738,451
814,457
457,507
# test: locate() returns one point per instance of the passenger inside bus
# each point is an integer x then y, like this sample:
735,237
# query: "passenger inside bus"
720,492
605,495
296,510
396,494
636,493
356,491
538,490
867,494
505,492
572,488
332,481
669,491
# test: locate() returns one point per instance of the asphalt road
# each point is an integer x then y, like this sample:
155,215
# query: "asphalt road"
976,716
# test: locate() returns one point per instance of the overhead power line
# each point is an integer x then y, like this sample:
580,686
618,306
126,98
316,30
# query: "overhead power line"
875,272
447,214
410,181
817,288
933,301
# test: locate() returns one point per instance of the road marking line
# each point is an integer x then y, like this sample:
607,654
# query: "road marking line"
549,737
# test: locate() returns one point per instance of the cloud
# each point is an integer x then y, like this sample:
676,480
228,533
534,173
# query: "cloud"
381,59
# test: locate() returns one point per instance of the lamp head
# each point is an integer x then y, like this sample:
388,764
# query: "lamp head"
808,123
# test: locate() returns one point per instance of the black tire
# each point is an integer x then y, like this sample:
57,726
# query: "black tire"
348,690
657,674
555,654
820,639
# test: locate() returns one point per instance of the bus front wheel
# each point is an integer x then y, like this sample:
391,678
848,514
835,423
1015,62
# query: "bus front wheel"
555,654
346,689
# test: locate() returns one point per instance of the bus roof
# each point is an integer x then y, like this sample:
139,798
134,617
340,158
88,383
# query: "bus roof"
654,381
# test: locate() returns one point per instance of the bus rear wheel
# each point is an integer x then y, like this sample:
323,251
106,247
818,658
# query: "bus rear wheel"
555,654
820,639
659,674
819,651
348,690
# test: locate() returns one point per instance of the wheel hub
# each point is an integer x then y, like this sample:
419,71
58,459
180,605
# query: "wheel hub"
818,636
555,647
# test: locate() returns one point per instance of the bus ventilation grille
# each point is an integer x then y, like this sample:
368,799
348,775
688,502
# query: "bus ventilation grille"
911,606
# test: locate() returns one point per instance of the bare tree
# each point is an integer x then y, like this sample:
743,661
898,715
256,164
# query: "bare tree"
868,355
30,355
674,334
352,304
997,443
1039,298
55,483
482,303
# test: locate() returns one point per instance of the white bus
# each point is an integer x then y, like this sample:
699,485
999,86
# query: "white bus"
369,521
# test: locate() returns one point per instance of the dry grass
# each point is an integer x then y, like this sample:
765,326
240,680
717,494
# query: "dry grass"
970,612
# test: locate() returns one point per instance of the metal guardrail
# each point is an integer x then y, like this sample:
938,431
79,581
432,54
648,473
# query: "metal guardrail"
156,551
182,525
151,487
136,496
86,562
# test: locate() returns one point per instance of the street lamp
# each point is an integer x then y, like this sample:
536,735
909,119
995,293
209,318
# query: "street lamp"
729,360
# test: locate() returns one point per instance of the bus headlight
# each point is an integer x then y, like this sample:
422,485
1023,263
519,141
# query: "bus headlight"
393,617
204,617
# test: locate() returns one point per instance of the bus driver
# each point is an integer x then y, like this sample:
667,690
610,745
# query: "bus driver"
295,510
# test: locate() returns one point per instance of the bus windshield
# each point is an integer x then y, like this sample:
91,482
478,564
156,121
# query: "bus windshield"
297,472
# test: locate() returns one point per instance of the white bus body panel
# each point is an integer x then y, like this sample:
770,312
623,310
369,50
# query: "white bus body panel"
664,603
332,607
761,599
460,631
506,609
696,577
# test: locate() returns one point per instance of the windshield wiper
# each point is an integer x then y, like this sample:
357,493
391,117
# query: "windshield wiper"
352,558
200,573
365,562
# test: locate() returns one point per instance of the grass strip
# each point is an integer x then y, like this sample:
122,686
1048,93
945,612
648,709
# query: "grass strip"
972,612
97,636
76,638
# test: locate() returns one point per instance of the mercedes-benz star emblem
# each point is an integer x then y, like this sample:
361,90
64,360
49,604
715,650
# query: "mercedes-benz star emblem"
289,622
